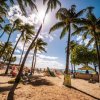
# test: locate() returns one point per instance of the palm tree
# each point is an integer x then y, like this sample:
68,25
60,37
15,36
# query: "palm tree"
91,26
3,8
6,29
72,46
25,29
51,4
11,31
7,53
23,3
39,46
26,38
67,18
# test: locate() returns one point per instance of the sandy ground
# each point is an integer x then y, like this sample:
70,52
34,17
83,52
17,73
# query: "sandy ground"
90,88
41,88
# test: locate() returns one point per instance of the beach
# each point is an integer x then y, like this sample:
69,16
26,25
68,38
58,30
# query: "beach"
41,88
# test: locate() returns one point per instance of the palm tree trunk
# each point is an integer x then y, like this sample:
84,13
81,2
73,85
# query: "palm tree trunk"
33,62
6,72
68,53
2,34
25,57
22,53
72,68
67,78
74,71
11,93
7,41
98,56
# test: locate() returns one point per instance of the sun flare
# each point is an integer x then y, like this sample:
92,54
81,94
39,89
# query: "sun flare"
41,15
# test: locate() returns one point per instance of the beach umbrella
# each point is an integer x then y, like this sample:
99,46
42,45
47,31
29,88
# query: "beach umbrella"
86,67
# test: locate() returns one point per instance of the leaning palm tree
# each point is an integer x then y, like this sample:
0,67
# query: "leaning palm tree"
38,46
6,29
91,26
51,4
9,36
25,38
25,29
67,18
7,53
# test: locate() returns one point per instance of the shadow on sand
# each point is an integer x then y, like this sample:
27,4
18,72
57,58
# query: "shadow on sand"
38,81
2,74
5,88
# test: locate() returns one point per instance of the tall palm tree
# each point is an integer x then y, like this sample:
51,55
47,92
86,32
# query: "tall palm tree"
6,29
25,29
9,36
26,38
91,26
51,4
67,18
39,46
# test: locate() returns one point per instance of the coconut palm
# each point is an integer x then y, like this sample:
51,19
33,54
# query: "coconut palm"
25,29
25,38
50,3
91,26
39,46
6,29
67,19
7,54
9,36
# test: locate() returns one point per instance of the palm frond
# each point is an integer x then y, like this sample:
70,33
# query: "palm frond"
84,36
64,32
26,3
57,26
80,13
90,42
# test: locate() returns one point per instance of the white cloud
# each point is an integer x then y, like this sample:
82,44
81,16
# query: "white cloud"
43,61
32,19
86,41
79,38
47,57
15,13
17,51
46,36
80,42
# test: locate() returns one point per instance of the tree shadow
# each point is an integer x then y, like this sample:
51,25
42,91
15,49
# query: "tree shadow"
38,81
5,88
2,74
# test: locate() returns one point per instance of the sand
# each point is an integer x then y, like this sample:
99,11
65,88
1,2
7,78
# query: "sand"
41,88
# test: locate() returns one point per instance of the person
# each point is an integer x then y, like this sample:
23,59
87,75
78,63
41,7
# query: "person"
87,72
13,71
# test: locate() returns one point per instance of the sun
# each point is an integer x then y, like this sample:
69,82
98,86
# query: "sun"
41,14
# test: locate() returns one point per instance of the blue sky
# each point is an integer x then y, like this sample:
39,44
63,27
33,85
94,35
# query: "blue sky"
55,56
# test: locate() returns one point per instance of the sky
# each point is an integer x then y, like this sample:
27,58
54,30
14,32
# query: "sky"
55,56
